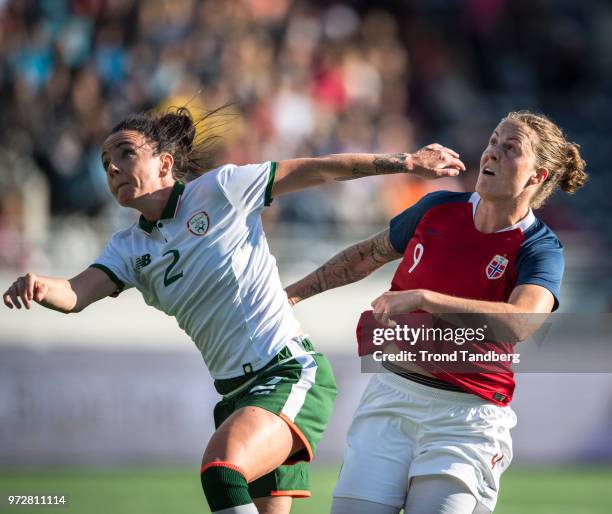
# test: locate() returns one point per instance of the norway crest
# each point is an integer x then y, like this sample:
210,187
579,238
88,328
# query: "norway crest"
198,224
496,267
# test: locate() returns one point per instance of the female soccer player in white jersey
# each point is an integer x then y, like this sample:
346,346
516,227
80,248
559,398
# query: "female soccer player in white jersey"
429,439
199,253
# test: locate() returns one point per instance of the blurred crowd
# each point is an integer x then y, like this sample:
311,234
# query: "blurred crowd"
302,77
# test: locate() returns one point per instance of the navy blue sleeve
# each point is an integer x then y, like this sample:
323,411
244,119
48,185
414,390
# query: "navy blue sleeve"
541,262
403,226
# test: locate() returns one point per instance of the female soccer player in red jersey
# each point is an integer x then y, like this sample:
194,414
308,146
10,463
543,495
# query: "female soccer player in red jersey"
437,442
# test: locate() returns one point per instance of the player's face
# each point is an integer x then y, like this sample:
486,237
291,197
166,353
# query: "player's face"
507,165
132,169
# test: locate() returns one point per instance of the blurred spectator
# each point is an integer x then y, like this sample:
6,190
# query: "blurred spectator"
24,211
303,78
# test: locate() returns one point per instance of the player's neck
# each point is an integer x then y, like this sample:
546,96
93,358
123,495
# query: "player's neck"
152,205
493,216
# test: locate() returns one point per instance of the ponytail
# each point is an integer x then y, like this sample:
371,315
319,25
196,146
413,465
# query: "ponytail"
574,176
175,132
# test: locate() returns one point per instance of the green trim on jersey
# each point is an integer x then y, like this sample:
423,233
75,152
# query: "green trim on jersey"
169,209
268,198
173,201
118,282
145,225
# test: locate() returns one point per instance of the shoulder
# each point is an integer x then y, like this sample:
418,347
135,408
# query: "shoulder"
206,187
443,197
431,200
124,235
231,175
541,254
440,197
540,260
437,199
229,169
122,240
248,187
540,238
403,226
207,177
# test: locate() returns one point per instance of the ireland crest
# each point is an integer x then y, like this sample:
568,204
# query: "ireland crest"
198,224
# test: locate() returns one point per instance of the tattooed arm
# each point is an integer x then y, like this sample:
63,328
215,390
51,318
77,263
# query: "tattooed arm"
432,161
350,265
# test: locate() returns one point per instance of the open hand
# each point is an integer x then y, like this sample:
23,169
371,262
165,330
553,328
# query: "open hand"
435,161
25,290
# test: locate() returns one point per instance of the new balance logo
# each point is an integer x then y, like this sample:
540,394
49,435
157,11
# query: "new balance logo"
142,261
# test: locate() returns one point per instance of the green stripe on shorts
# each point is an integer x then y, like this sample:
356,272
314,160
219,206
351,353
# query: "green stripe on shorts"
297,385
301,388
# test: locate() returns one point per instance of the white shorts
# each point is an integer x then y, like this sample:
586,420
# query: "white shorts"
403,429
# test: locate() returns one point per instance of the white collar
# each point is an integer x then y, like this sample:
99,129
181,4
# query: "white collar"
523,224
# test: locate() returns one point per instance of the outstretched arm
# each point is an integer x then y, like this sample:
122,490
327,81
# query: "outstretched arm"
350,265
519,317
432,161
57,293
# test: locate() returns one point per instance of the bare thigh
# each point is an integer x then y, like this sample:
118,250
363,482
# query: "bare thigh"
253,439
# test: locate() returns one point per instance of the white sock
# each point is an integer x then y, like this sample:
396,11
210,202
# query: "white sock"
248,508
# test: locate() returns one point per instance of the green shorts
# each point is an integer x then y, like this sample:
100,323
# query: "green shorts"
298,385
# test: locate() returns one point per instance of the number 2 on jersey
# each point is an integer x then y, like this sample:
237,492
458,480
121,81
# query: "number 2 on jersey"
167,278
418,253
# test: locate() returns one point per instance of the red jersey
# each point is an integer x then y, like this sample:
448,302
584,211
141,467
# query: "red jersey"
445,252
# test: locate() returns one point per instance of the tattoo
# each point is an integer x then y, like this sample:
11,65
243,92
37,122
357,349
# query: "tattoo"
339,270
383,165
350,265
390,163
381,249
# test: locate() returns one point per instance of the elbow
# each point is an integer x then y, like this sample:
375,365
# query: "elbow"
66,311
75,309
502,329
522,331
59,308
517,335
525,325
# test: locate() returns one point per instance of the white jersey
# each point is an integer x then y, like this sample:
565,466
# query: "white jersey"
207,263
